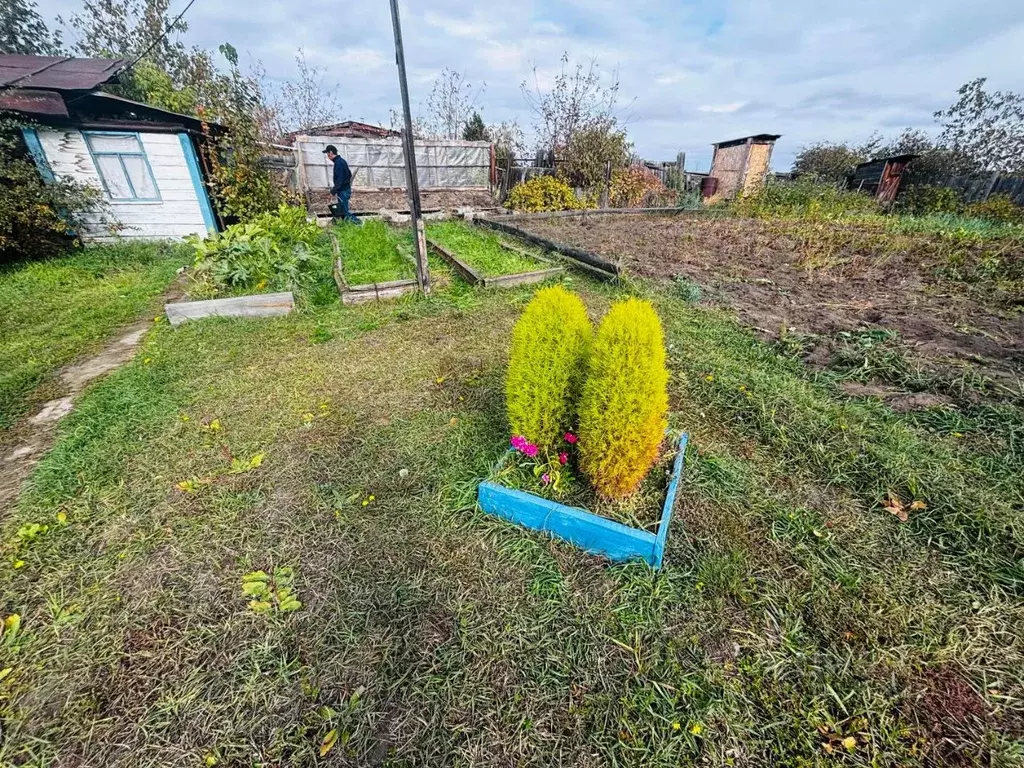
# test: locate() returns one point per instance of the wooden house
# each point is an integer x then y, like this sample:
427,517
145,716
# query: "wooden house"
145,161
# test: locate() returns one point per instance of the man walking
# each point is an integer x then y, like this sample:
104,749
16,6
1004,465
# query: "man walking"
342,186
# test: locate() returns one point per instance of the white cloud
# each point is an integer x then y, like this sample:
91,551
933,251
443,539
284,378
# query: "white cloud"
503,57
721,109
359,59
458,27
673,78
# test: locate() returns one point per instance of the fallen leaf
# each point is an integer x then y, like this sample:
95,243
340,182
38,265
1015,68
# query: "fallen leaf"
5,672
894,506
329,741
918,505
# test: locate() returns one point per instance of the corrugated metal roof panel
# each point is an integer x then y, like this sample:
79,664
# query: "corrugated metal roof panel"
56,72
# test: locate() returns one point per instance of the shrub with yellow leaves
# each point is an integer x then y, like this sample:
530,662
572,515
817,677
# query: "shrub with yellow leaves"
625,399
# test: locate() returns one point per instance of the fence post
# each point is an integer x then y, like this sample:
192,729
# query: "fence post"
991,185
606,193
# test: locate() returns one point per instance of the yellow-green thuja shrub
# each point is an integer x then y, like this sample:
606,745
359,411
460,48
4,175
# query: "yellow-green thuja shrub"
625,399
550,343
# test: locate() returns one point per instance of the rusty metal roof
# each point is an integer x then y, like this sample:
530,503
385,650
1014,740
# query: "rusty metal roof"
58,73
759,138
31,102
350,129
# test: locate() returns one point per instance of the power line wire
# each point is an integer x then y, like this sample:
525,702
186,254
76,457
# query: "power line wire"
163,35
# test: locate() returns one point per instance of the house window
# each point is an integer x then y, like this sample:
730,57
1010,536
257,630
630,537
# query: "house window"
122,165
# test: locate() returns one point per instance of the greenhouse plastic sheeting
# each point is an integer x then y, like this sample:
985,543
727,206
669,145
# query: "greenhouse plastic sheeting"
379,162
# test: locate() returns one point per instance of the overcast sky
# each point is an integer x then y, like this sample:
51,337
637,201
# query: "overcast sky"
695,72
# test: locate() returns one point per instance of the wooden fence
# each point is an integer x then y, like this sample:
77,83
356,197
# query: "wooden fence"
974,189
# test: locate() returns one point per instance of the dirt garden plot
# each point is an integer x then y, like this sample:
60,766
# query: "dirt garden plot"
829,286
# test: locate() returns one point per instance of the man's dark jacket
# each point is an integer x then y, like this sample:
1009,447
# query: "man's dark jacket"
342,176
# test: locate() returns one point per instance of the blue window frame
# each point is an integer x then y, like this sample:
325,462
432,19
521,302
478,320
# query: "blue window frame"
122,165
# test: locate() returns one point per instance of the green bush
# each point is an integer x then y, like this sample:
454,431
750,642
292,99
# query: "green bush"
924,200
37,219
548,362
625,399
275,251
805,198
543,193
1000,208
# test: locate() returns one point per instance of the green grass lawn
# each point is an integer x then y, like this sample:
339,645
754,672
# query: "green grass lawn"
481,250
55,310
369,253
797,621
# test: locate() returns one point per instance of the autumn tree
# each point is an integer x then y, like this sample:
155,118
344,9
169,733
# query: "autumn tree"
22,30
576,101
308,102
599,147
986,127
834,161
451,102
508,140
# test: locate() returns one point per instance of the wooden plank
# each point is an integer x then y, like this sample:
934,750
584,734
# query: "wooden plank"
465,271
575,254
384,285
378,293
524,254
670,500
588,531
522,278
263,305
663,211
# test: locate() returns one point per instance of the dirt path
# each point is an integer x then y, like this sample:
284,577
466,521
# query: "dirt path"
34,435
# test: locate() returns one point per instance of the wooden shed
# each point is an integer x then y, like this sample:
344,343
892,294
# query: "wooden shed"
881,177
740,165
144,161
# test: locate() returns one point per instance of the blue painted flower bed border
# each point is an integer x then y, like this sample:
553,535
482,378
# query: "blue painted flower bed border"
593,533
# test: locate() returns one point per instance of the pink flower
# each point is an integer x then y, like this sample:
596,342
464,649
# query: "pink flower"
570,438
563,457
518,442
545,478
530,450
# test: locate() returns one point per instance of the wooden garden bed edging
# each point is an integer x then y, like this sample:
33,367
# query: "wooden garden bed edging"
474,277
356,294
585,260
592,533
463,269
259,305
667,211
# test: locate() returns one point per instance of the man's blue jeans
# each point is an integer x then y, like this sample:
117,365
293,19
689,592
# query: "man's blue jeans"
342,210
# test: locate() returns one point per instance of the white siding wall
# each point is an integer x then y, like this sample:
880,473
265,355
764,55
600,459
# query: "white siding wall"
175,215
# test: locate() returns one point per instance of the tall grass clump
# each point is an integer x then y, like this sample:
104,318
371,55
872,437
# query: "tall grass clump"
805,198
625,399
550,345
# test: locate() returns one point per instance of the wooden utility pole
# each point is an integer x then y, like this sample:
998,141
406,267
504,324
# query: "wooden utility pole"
411,177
